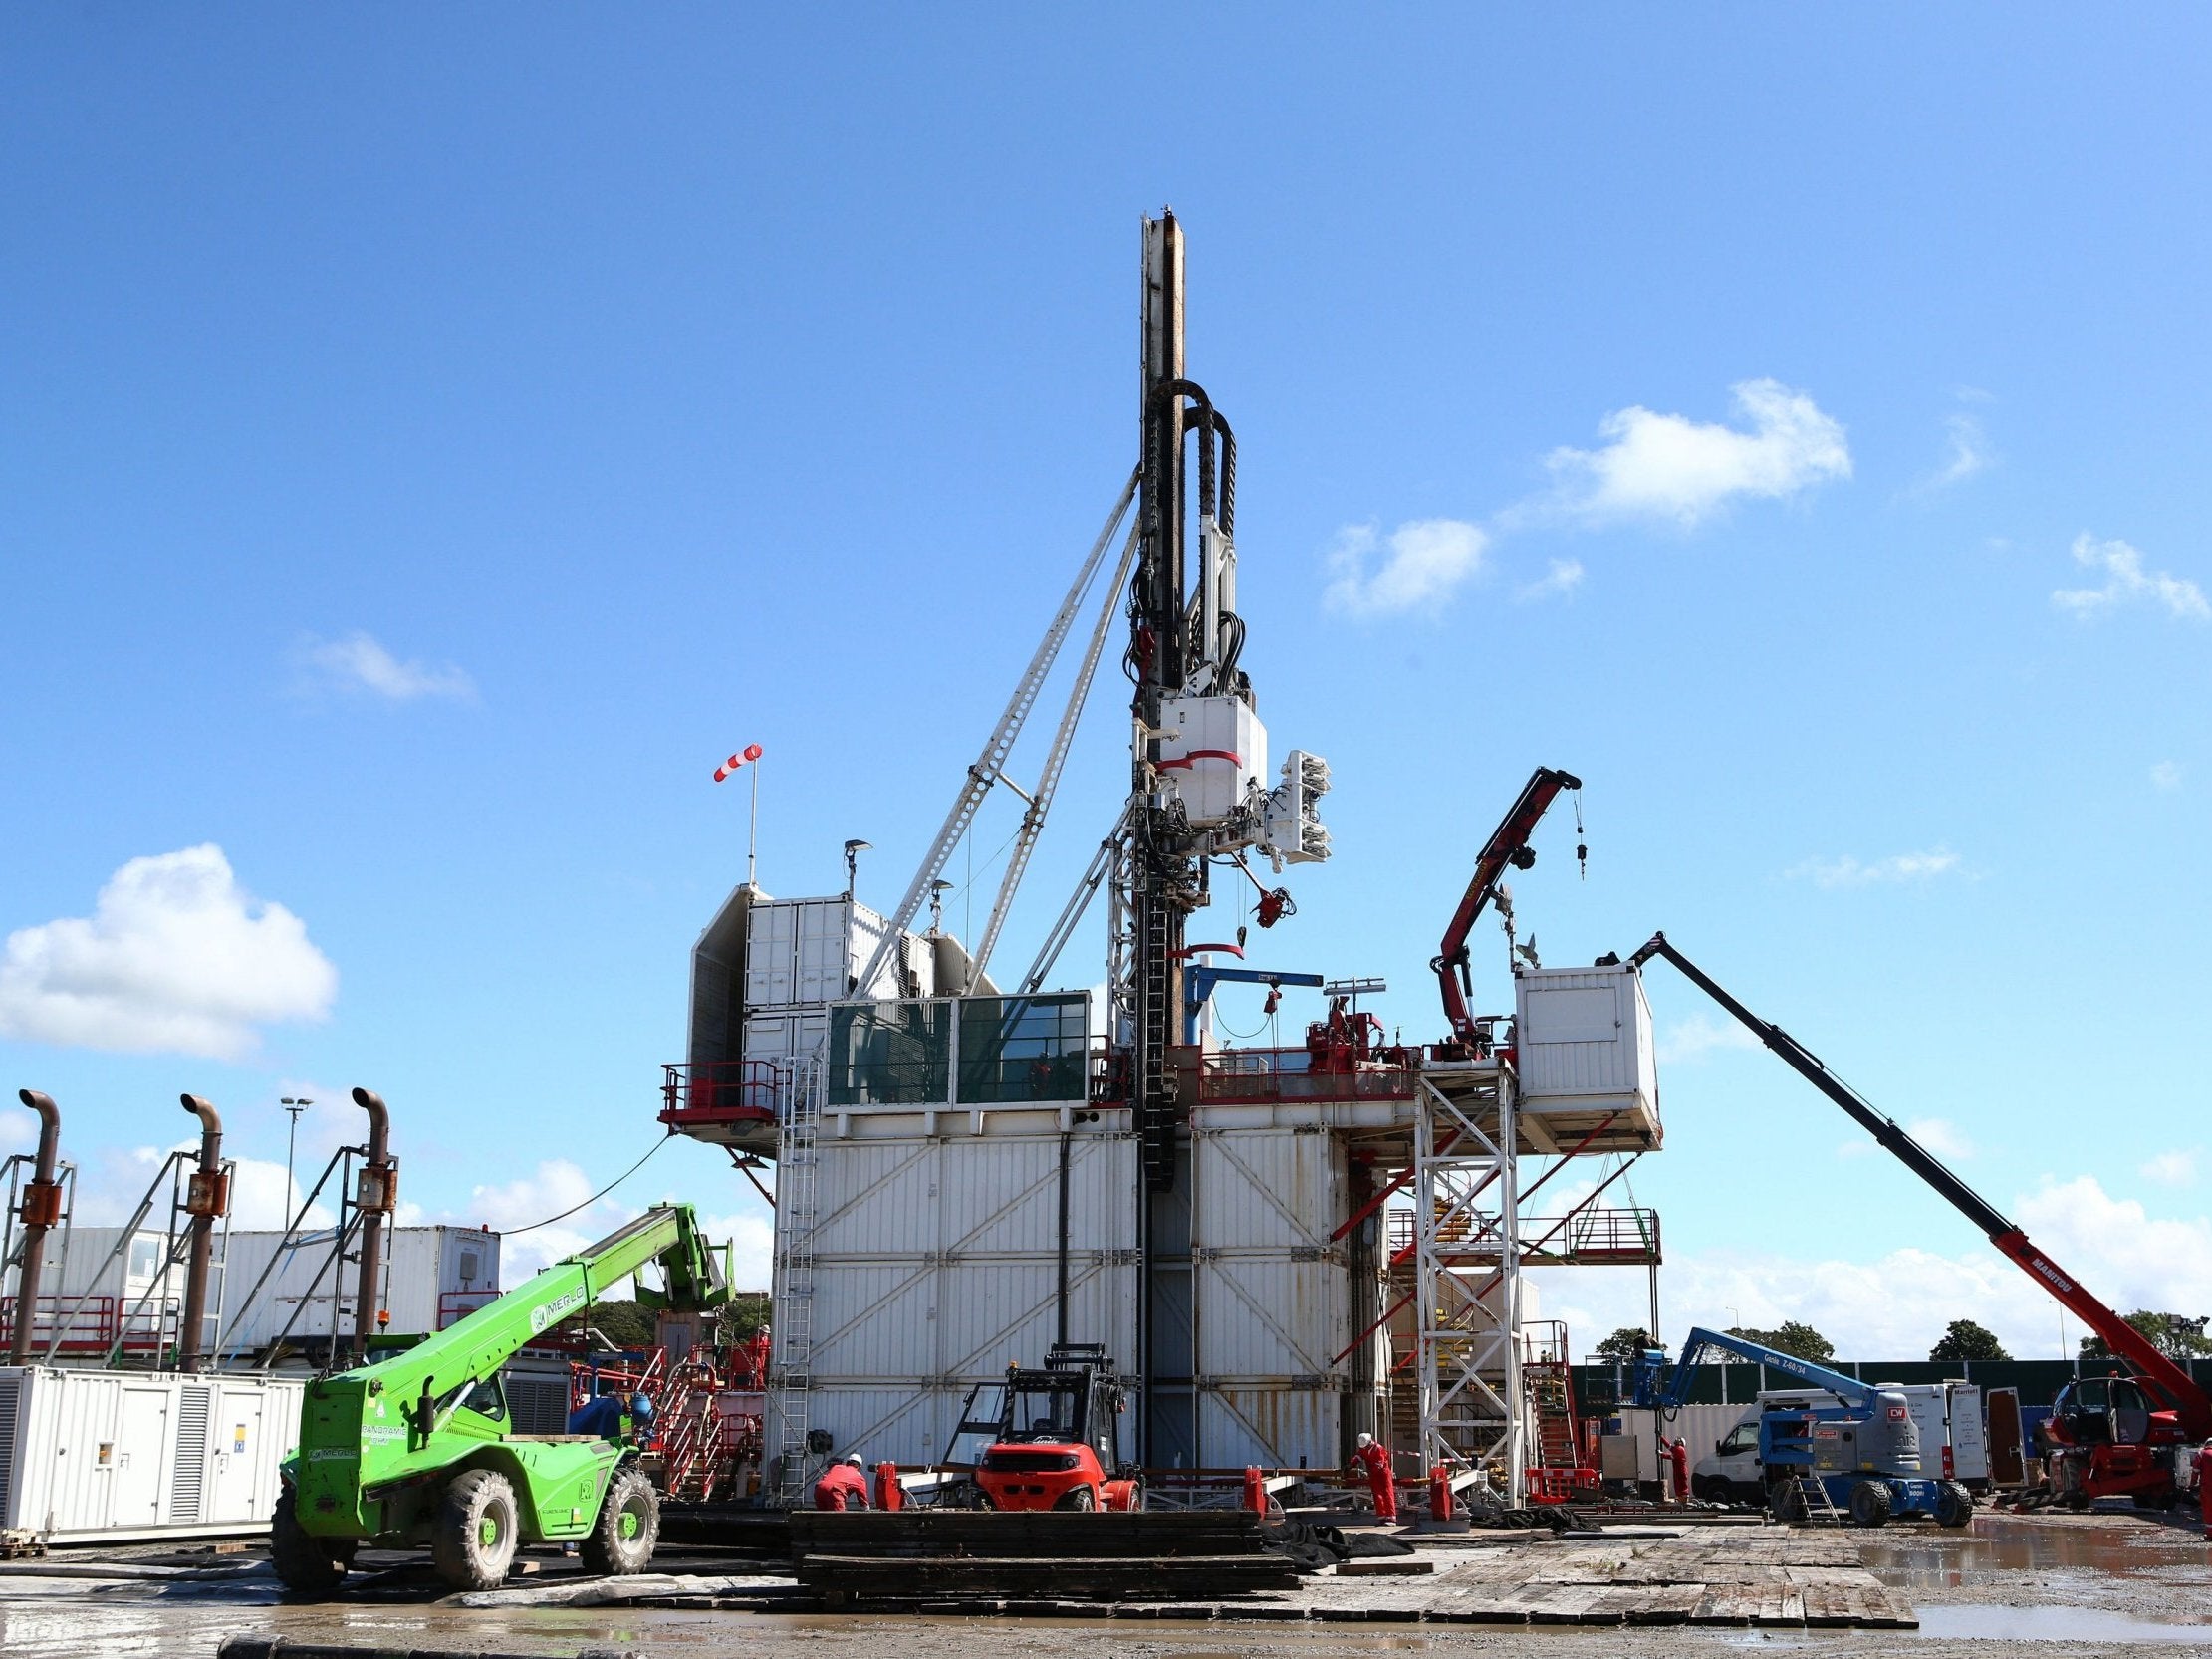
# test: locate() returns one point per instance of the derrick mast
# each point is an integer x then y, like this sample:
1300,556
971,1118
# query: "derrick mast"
1199,792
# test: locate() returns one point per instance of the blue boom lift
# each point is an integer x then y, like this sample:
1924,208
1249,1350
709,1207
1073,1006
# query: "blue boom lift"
1859,1458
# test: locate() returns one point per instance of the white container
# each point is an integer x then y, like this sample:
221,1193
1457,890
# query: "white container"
432,1276
112,1456
814,950
785,1034
770,955
826,968
1213,753
1584,1038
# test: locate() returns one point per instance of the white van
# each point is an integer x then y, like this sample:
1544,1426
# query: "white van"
1947,1414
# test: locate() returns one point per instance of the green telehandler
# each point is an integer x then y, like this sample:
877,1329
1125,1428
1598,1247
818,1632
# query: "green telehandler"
417,1450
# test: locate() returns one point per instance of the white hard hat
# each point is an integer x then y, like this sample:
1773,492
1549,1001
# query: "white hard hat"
1366,1440
854,1458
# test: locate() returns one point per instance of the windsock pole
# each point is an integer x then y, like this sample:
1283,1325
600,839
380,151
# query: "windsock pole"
745,757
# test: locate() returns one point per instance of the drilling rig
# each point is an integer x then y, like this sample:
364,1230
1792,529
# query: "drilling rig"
1199,795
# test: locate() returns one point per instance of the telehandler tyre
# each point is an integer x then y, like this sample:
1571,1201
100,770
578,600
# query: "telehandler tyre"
627,1528
1078,1498
473,1539
306,1563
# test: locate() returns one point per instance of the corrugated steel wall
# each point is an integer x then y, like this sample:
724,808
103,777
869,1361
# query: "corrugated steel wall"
936,1265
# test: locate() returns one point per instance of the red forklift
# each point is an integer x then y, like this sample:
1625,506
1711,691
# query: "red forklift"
1058,1442
2118,1436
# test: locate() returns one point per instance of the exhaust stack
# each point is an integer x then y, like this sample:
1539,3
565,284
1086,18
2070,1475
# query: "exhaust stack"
42,1208
207,1199
377,1198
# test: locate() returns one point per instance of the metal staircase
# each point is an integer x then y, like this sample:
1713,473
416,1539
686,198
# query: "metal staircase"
693,1456
797,1163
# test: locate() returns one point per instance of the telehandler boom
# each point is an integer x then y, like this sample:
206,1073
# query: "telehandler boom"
2111,1437
417,1450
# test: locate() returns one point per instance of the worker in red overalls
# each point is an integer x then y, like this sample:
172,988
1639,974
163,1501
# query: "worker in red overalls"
753,1361
842,1486
1372,1459
1678,1461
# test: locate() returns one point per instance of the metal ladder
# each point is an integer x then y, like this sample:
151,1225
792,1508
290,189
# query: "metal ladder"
1155,1100
797,1157
1820,1508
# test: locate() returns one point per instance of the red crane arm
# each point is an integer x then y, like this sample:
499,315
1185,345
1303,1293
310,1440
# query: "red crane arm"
1507,845
2190,1403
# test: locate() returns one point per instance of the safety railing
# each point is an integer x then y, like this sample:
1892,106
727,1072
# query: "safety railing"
723,1092
94,1324
1622,1237
1267,1076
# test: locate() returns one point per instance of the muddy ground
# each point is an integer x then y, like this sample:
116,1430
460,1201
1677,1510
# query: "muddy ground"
2102,1583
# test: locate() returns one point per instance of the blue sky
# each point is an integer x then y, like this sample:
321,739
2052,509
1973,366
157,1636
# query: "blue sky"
432,440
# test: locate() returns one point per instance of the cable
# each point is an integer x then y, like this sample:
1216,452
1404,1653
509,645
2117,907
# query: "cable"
517,1232
1240,1036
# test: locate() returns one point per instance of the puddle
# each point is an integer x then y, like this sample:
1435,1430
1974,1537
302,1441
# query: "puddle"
2055,1624
1998,1544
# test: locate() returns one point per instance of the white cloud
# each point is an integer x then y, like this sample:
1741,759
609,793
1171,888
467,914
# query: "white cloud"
1426,561
1693,1039
2166,775
1849,871
1562,578
1895,1307
1968,454
1941,1136
176,958
553,1186
356,663
1669,467
2127,582
2177,1168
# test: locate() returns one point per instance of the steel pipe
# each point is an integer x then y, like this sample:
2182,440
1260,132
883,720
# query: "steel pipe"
375,1199
42,1204
206,1200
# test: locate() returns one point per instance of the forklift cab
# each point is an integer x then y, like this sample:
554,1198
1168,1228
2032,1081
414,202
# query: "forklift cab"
1059,1438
